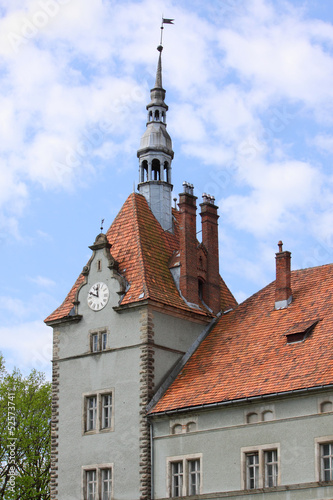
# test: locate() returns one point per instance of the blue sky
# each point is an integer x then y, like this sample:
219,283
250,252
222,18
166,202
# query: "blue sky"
250,95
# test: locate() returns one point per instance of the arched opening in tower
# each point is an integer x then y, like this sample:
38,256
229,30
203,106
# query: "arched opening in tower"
156,170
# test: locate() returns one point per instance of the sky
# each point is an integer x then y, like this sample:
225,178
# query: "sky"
250,96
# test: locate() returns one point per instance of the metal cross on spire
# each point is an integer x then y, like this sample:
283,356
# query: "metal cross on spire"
164,21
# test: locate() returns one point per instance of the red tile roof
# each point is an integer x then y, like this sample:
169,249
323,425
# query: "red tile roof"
143,251
246,354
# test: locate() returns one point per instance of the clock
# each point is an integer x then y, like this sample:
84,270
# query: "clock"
98,296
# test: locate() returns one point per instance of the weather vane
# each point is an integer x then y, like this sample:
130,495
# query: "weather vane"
102,225
164,21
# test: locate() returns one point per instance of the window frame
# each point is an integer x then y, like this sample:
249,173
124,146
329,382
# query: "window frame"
99,412
261,452
99,340
98,469
186,473
319,443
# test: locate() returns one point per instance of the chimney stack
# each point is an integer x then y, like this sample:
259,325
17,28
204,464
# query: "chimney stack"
283,294
209,221
188,281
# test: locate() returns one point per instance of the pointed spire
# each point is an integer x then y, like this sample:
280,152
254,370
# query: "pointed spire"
155,155
158,81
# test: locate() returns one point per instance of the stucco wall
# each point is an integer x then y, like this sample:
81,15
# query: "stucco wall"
221,435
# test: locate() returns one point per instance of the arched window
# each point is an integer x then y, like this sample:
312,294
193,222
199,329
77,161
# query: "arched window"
252,418
163,116
326,406
150,116
177,429
191,427
155,168
166,172
157,115
144,171
267,415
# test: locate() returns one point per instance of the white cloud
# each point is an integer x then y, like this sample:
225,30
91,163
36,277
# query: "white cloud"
279,193
42,282
27,346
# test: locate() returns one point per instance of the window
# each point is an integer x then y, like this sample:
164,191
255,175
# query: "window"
106,484
95,342
106,411
97,482
104,341
177,479
91,484
271,468
194,477
184,476
91,413
326,461
98,412
252,471
260,467
99,341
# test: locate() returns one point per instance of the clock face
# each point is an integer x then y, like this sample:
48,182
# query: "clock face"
98,296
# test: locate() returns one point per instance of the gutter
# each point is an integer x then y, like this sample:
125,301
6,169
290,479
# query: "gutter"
242,400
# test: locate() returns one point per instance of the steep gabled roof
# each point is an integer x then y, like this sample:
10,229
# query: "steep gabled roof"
143,251
247,353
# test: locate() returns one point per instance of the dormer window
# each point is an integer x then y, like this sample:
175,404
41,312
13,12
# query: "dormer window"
300,331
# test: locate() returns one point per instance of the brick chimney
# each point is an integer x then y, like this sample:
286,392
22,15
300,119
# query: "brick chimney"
209,218
188,281
283,295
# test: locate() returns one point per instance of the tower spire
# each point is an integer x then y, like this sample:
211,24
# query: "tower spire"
158,81
155,154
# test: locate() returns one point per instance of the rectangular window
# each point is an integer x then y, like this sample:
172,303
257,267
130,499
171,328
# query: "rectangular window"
177,479
184,476
91,413
326,461
260,467
91,485
104,341
98,411
97,482
106,484
194,477
252,471
106,411
94,340
271,468
98,341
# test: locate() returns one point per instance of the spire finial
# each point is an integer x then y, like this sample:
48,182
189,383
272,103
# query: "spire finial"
102,222
164,21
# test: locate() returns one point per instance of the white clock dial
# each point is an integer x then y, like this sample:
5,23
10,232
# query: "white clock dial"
98,296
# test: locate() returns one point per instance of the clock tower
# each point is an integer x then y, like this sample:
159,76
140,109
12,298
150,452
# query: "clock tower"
124,326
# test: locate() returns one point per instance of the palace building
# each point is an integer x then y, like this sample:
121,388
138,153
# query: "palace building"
165,387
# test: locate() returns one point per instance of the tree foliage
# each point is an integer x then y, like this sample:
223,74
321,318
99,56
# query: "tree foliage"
25,435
